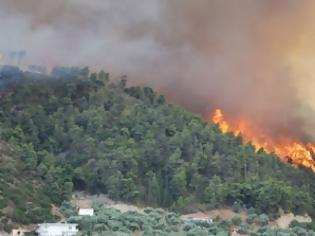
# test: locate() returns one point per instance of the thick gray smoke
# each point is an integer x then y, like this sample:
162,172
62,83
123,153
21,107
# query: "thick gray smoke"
251,57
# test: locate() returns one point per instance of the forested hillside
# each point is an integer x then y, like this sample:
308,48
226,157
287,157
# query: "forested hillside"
79,131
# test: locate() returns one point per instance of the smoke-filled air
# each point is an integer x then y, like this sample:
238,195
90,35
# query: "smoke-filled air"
252,59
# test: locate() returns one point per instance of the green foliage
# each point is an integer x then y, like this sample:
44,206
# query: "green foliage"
309,226
7,228
67,209
225,224
263,220
75,131
106,219
251,218
236,220
237,207
197,232
243,229
215,192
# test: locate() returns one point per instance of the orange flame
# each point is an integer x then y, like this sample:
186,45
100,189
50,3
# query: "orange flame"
219,119
290,151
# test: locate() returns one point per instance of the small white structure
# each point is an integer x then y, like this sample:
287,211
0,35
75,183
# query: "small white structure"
56,229
197,220
86,212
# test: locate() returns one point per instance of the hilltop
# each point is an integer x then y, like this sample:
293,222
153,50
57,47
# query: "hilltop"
75,130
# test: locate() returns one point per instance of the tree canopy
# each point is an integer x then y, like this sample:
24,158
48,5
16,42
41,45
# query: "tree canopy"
75,130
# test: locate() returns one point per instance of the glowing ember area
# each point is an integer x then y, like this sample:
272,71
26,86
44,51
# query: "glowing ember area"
294,152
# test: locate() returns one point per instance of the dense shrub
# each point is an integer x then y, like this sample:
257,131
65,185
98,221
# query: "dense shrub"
236,220
263,220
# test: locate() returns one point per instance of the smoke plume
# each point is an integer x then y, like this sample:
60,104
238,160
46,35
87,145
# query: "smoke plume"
251,58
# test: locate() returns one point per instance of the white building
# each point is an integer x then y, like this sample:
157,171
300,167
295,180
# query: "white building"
56,229
86,212
197,218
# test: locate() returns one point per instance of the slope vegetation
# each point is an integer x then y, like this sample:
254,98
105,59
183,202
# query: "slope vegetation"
79,131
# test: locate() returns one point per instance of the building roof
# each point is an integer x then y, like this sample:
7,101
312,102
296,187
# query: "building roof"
86,211
57,224
47,226
199,215
57,228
